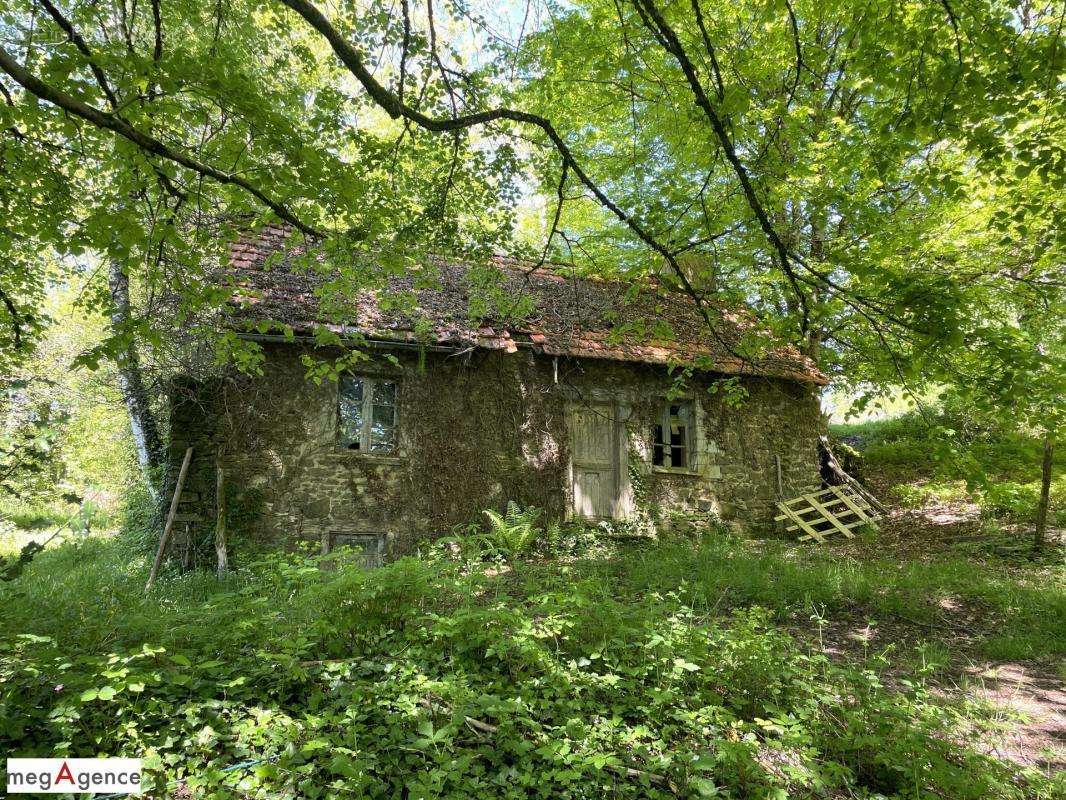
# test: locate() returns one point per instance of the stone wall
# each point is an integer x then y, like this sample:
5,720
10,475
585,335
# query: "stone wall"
476,430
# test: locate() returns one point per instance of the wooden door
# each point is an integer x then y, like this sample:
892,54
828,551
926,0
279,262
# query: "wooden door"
594,461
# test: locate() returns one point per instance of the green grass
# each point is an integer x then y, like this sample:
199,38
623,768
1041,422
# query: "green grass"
1022,613
31,517
41,516
666,659
998,470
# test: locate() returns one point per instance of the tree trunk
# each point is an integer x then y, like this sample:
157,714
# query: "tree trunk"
220,519
1040,538
818,228
131,383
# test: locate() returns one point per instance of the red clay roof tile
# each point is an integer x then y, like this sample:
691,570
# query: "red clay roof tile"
580,317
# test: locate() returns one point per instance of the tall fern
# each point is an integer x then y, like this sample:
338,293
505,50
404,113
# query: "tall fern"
514,532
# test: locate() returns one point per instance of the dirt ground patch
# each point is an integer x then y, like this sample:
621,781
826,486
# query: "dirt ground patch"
1034,699
1022,703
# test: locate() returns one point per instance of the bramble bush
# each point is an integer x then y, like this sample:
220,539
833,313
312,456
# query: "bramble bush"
432,678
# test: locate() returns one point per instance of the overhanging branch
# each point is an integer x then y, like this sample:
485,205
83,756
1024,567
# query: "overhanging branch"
656,23
397,109
16,318
147,143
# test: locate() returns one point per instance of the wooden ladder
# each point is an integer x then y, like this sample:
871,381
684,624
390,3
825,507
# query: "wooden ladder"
174,502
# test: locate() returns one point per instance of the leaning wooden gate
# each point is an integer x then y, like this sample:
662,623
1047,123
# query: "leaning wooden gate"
819,514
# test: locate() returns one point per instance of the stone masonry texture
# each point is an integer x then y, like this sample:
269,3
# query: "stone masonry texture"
476,430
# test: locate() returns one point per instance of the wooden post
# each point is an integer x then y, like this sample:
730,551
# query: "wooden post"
186,552
1040,537
170,518
220,518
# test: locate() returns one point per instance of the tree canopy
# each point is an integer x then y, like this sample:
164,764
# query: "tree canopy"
881,183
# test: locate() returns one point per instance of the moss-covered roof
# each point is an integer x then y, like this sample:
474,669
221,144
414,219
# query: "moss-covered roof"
552,313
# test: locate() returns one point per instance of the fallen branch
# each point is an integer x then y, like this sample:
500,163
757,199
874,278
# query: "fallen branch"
842,475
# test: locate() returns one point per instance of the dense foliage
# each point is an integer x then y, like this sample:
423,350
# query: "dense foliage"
949,454
882,182
654,673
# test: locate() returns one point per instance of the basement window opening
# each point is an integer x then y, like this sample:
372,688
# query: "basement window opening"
367,415
672,436
365,549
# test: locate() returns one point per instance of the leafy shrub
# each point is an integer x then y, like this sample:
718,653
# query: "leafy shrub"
574,539
949,456
921,493
945,443
1018,501
1010,499
517,532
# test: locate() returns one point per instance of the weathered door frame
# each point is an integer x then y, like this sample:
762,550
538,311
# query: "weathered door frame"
622,495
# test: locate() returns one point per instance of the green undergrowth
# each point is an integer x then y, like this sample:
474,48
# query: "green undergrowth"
1018,613
941,442
658,672
38,516
948,458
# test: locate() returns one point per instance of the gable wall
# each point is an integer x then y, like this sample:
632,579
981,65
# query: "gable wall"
477,430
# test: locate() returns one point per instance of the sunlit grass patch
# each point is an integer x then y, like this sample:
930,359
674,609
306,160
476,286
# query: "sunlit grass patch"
48,516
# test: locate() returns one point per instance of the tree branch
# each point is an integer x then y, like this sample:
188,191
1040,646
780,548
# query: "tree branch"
437,58
392,105
720,87
657,24
157,23
955,27
394,108
77,40
794,24
406,46
148,144
16,318
560,194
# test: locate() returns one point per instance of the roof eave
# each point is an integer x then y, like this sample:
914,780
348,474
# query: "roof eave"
407,341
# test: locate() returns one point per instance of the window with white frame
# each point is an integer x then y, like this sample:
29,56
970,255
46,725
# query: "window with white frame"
367,416
672,436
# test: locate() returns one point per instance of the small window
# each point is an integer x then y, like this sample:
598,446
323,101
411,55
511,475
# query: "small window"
672,436
367,413
367,549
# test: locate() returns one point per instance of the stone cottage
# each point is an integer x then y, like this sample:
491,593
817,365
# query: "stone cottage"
579,405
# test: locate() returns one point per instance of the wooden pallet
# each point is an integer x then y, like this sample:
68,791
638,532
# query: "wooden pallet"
837,509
